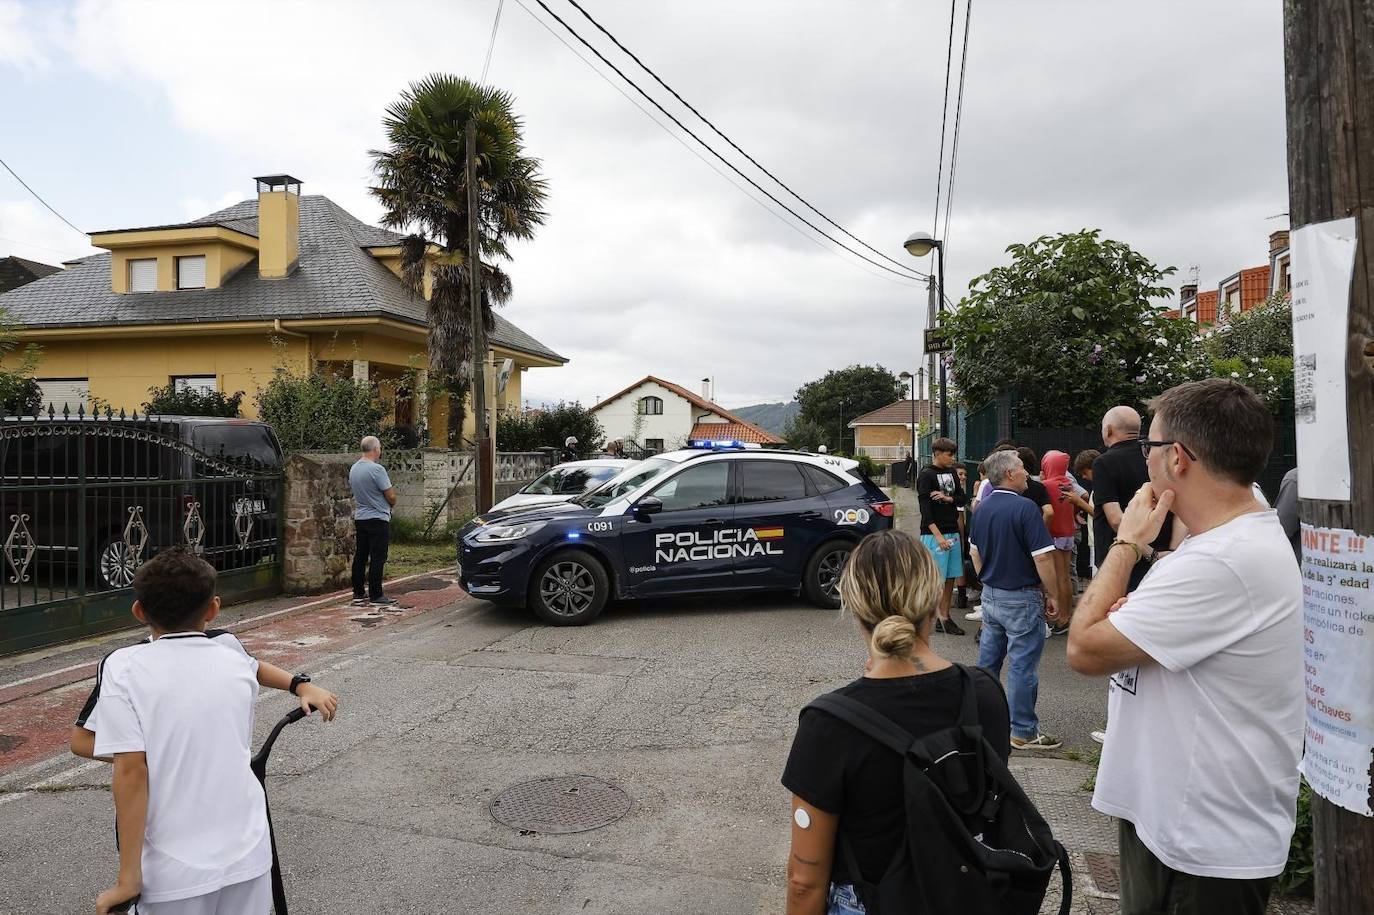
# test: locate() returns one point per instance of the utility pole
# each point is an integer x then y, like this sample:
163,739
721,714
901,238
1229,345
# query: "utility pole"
485,476
1328,48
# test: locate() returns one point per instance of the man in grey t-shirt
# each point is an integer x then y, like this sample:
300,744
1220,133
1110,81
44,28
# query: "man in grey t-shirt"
375,496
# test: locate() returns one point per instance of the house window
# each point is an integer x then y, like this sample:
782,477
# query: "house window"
654,445
143,275
65,394
200,383
651,406
191,272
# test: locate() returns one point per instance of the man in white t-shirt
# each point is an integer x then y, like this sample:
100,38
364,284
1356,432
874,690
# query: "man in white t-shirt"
176,715
1206,701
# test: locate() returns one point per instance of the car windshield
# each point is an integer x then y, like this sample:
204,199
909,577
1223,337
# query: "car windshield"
625,482
569,481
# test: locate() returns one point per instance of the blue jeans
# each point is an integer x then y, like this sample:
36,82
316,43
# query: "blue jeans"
1014,628
844,901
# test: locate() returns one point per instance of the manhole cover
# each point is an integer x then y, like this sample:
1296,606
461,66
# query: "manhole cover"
556,806
1105,871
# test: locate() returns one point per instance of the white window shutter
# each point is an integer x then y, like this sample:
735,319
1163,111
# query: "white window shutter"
69,393
191,272
143,275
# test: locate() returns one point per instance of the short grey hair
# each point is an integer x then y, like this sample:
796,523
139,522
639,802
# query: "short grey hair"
1000,463
370,443
1123,419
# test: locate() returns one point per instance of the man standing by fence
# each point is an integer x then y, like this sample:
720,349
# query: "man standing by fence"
374,497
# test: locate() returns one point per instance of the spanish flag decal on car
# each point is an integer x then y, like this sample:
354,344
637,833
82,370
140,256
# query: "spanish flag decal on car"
768,533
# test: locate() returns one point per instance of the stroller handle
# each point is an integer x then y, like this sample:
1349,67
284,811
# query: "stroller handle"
259,762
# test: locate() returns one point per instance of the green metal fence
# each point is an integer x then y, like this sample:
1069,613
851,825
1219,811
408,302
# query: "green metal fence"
85,500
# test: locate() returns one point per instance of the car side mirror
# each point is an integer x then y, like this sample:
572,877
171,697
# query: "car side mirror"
649,505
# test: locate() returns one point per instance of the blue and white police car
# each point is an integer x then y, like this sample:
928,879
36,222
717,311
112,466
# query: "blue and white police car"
717,516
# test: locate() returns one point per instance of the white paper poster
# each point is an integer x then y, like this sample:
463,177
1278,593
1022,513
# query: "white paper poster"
1338,633
1323,262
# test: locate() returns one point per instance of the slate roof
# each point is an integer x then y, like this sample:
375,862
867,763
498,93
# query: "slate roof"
335,278
20,271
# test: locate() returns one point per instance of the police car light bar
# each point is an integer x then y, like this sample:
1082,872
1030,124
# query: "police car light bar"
707,444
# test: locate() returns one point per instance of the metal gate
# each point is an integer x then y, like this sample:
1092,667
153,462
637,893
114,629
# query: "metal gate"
85,500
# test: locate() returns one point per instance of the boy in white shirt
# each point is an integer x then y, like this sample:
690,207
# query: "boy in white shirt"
175,714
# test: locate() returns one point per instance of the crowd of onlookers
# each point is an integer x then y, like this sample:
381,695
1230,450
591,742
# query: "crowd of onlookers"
1192,608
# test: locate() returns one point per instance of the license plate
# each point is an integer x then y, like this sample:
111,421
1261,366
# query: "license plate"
251,506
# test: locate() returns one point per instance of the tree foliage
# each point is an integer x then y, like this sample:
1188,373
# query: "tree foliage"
1255,348
829,404
549,428
1071,326
422,184
320,412
168,401
803,434
19,393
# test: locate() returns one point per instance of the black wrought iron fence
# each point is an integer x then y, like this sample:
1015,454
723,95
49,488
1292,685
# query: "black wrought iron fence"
85,500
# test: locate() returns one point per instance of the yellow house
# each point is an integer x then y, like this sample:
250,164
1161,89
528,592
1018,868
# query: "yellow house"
887,434
220,302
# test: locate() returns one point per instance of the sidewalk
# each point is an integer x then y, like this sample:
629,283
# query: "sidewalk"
1056,787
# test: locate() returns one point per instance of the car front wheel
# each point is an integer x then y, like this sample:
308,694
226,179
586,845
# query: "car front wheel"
115,564
821,581
569,588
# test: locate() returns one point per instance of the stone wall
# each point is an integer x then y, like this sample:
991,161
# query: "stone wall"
319,524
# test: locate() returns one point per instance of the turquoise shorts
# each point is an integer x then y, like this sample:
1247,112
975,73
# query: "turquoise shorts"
950,562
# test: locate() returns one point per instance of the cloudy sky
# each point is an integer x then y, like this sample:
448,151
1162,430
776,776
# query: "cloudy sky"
1160,123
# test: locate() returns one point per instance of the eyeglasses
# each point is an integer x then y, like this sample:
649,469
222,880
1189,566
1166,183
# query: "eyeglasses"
1146,445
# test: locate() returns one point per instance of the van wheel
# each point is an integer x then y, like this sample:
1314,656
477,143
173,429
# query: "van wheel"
821,581
114,563
569,588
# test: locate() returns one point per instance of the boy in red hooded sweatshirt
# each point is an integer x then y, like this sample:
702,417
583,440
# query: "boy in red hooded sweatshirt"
1065,498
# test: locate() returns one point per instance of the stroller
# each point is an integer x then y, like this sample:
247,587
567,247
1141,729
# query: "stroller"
259,767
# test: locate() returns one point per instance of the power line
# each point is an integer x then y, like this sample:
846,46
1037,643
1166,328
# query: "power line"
715,168
905,275
958,119
944,119
491,45
38,198
707,121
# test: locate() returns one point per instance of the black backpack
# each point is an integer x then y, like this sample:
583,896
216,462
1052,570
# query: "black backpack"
974,841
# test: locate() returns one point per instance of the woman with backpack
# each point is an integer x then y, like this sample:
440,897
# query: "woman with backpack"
848,788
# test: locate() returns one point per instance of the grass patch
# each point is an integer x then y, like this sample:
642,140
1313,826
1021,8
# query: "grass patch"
425,556
1093,757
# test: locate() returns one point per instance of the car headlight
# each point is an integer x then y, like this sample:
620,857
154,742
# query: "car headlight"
497,533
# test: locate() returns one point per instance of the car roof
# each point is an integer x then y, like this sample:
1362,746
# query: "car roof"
597,462
762,454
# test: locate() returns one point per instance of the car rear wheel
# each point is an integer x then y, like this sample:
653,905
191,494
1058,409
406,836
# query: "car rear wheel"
569,588
821,581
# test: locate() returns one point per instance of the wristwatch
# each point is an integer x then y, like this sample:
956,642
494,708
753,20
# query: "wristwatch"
296,681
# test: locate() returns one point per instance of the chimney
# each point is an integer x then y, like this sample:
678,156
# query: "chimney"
706,389
1189,288
1277,241
279,225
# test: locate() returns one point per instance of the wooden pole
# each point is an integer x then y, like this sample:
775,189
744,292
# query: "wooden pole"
485,476
1329,62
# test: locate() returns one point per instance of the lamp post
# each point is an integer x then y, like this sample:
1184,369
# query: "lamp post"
908,376
919,244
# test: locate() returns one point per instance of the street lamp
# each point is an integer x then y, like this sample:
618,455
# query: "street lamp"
919,244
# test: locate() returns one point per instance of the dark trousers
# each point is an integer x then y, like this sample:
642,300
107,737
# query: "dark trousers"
369,556
1150,888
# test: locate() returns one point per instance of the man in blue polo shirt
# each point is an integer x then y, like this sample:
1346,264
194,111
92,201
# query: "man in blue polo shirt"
1012,553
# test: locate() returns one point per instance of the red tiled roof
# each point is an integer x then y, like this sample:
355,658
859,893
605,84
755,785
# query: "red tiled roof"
703,404
1254,286
1207,307
739,432
898,413
1171,313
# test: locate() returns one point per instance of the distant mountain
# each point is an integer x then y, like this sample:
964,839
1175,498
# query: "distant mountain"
770,417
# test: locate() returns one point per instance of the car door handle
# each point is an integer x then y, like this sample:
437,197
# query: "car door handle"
714,521
810,516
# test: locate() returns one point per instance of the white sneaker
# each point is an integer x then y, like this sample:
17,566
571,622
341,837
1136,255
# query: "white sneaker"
975,615
1099,736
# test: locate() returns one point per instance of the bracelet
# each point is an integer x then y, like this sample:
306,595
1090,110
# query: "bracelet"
1139,554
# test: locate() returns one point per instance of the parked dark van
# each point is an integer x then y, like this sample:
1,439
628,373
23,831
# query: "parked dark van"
104,493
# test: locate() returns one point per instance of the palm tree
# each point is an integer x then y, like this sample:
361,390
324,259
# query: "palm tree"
422,185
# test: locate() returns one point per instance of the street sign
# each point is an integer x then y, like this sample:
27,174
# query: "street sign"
937,342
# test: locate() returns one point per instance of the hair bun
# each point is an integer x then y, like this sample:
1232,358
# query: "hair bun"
894,635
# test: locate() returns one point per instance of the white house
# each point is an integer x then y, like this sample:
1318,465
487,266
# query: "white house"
658,415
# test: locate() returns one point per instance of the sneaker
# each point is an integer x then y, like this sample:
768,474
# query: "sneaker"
383,602
976,616
359,602
1038,742
1099,736
1057,630
948,627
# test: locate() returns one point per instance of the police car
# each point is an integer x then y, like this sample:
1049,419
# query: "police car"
717,516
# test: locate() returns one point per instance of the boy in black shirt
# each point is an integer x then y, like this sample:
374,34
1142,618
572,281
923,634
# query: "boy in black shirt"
941,496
